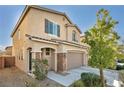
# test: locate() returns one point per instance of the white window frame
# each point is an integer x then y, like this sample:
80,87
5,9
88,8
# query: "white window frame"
75,36
53,35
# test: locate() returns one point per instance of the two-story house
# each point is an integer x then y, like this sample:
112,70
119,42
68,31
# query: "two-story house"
47,34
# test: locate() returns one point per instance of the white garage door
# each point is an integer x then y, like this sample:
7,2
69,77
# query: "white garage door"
74,60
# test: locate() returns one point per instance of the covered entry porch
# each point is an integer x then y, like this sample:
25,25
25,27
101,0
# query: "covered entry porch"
44,53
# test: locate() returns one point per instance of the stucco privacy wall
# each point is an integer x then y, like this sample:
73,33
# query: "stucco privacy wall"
36,22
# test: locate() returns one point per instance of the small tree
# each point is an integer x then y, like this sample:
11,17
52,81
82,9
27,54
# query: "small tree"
103,41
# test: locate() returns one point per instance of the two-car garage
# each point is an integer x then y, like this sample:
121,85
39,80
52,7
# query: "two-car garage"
75,59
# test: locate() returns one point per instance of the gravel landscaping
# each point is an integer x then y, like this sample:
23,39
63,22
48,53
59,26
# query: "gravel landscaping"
13,77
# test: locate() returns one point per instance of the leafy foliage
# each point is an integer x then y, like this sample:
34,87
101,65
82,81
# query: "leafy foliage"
40,69
29,83
121,51
78,83
121,61
103,40
90,80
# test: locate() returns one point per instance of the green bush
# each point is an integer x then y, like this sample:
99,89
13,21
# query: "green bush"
91,80
78,83
122,61
40,69
29,83
45,61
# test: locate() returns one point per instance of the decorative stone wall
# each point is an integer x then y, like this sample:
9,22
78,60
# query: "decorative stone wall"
61,62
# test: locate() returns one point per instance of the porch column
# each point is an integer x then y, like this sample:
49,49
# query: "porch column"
61,65
55,62
85,59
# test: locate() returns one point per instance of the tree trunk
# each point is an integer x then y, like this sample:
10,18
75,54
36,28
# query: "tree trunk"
102,77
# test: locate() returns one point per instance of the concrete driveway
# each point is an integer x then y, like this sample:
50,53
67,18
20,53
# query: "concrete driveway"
72,75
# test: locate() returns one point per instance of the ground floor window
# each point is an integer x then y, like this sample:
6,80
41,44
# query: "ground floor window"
47,51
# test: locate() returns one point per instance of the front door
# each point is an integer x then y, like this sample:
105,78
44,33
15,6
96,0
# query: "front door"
48,57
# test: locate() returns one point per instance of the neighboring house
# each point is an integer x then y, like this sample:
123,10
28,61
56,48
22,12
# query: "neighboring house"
1,53
47,34
8,50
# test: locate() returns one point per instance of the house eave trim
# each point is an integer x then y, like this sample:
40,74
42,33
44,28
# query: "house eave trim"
26,9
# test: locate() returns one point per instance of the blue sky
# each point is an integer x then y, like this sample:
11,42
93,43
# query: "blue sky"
83,16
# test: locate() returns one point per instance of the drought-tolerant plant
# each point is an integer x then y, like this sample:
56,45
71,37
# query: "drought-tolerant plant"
40,69
103,41
78,83
91,80
30,83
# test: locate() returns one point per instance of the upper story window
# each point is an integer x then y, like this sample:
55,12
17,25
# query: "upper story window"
74,36
52,28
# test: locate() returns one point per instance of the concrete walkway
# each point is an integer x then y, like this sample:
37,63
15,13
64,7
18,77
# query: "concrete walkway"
66,80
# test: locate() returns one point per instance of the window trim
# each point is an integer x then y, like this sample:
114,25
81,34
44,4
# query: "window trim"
57,25
74,37
48,51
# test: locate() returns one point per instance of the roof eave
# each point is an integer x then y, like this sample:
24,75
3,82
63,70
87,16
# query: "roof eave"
40,8
20,19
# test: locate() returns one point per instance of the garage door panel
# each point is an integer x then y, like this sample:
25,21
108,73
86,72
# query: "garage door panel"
74,60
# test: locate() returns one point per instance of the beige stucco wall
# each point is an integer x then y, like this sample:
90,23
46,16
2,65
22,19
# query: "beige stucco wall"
19,44
34,24
67,48
37,46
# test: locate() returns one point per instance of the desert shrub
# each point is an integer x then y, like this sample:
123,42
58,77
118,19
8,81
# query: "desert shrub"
40,69
78,83
91,80
30,83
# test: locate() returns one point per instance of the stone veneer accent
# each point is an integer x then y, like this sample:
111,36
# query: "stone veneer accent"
61,64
